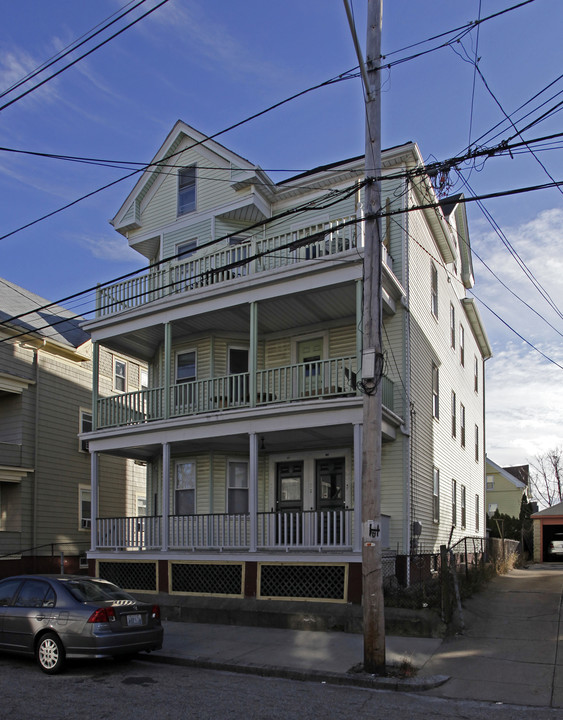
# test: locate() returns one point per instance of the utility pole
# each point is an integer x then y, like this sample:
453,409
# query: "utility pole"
372,361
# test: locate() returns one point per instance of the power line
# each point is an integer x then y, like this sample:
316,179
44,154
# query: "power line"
526,270
72,47
344,76
81,57
293,244
517,333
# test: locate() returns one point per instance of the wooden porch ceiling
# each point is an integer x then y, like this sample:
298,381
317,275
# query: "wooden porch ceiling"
275,315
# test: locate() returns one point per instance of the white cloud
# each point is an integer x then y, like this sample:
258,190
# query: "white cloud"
524,401
114,249
538,244
212,40
524,391
16,64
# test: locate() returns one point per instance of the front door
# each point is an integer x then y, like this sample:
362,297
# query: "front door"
238,366
331,491
309,352
289,502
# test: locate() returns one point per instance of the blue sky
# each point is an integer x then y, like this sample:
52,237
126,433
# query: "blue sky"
213,63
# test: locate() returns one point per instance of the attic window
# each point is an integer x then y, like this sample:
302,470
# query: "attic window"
186,190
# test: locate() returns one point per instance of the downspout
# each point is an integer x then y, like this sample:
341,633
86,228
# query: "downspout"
35,448
408,481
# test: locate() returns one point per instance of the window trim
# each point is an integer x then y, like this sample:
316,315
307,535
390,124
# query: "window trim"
462,424
477,512
183,206
117,359
184,351
435,391
83,444
434,289
476,374
84,523
454,414
181,256
452,326
477,443
435,495
461,345
454,502
231,462
463,506
177,463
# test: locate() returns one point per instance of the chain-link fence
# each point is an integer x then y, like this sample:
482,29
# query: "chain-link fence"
441,580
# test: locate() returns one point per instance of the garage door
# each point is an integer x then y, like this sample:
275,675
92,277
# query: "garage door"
552,533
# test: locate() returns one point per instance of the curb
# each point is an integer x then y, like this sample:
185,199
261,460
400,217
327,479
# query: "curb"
332,678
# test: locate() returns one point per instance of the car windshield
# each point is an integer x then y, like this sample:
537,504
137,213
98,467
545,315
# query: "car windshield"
95,591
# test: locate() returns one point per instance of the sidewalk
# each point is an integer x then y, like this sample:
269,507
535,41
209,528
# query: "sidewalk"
508,652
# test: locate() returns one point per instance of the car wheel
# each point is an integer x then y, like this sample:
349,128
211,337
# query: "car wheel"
50,653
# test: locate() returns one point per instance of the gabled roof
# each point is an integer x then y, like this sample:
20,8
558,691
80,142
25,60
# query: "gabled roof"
455,206
54,323
506,475
554,510
167,154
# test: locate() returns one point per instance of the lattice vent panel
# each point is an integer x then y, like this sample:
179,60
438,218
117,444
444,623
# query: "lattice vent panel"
207,579
318,582
130,576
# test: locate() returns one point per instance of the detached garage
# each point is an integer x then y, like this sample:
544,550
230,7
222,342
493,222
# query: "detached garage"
548,527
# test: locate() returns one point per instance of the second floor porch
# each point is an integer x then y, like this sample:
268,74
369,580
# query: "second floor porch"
298,382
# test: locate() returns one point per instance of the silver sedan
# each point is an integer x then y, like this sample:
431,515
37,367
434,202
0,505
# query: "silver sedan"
72,616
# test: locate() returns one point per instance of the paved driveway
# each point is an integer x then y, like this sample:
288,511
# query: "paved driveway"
510,650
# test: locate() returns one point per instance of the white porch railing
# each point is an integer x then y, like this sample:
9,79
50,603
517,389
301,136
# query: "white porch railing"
135,533
275,530
302,381
311,529
249,258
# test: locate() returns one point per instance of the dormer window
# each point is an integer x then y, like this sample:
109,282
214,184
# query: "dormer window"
186,190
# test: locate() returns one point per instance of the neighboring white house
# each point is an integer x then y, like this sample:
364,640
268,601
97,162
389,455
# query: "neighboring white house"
249,317
45,402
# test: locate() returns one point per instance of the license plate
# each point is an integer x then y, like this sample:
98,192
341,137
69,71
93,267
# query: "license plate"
134,620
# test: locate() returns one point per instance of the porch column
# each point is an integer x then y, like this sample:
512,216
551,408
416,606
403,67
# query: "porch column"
95,383
167,367
358,436
93,501
165,494
253,491
253,352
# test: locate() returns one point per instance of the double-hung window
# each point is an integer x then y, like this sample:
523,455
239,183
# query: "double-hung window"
454,503
476,443
463,506
477,512
186,366
436,495
452,326
435,392
185,487
454,414
186,190
237,488
461,344
462,424
119,375
84,507
434,289
85,426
